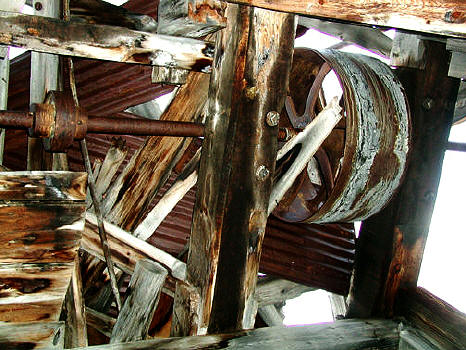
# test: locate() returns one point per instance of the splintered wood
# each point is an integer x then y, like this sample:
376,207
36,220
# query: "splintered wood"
41,219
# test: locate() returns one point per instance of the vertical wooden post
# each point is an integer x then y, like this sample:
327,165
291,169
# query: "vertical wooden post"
391,243
249,80
142,298
4,79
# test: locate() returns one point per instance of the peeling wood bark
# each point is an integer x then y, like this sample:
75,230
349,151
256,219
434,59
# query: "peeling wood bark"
127,250
446,17
342,335
441,324
34,335
142,298
231,206
391,243
103,42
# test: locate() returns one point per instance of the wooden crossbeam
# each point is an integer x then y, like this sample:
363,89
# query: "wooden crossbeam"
103,42
445,17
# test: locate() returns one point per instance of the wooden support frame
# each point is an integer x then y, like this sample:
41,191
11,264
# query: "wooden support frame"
446,17
238,158
391,243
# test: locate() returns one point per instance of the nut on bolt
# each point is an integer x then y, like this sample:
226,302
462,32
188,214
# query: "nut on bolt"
272,118
262,173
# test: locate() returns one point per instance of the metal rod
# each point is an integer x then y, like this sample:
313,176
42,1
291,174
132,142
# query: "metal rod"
16,120
100,223
129,126
456,146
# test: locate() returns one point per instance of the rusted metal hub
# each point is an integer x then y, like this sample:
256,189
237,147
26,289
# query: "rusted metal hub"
360,165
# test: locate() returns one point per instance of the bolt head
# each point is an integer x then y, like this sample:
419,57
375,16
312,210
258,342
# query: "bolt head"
38,6
272,118
262,173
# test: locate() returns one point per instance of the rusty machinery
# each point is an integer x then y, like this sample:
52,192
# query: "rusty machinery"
352,176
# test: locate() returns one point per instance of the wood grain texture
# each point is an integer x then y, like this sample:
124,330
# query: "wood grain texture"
43,186
141,301
341,335
100,321
34,335
103,42
433,16
249,80
391,243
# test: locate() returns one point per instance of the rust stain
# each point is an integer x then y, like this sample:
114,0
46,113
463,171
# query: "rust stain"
32,31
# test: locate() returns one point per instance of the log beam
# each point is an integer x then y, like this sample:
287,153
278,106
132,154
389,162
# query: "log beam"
445,17
141,301
391,243
238,157
33,335
103,42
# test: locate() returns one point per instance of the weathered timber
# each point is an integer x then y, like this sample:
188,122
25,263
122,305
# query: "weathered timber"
101,12
42,186
100,321
75,328
184,182
127,250
446,17
310,139
151,165
186,18
113,159
370,38
185,311
190,18
441,323
270,291
44,77
408,51
343,335
248,81
34,335
271,315
391,243
103,42
141,301
4,80
458,65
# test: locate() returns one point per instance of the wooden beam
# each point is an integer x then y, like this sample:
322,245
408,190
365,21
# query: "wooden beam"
391,243
34,335
441,323
4,80
141,301
370,38
342,335
100,321
270,291
238,158
271,315
446,17
103,42
127,250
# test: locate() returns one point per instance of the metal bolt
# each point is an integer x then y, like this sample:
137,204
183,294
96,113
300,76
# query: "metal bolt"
38,6
272,118
262,173
428,104
250,93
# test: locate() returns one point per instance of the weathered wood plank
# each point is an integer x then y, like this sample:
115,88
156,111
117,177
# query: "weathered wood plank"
100,322
271,291
185,311
43,186
127,250
441,17
103,42
151,166
249,80
440,322
4,80
271,316
391,243
142,298
34,285
35,335
342,335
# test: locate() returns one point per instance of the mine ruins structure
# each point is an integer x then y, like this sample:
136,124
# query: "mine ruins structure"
192,226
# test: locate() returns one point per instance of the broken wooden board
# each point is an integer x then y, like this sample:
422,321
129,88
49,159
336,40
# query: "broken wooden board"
34,335
103,42
41,219
446,17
